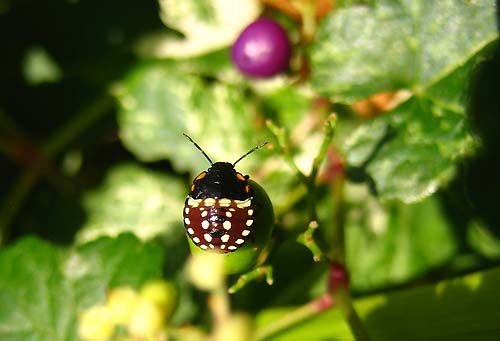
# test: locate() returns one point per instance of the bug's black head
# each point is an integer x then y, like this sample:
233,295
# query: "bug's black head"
221,180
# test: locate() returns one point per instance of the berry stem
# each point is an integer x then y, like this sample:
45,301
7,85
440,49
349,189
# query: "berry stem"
338,281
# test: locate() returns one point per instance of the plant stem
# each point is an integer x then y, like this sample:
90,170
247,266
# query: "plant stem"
343,300
338,235
307,311
219,306
261,271
340,290
340,294
310,181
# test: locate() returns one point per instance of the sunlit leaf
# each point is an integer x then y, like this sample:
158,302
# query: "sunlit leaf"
133,199
206,25
427,47
159,104
464,308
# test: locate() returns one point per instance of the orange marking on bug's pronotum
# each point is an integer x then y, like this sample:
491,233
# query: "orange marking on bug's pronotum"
192,187
201,176
247,188
240,177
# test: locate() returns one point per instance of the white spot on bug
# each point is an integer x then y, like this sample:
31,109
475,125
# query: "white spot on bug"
225,238
250,212
249,222
232,209
204,213
207,237
196,240
227,225
223,246
187,221
243,203
232,247
194,202
186,210
229,214
239,241
224,202
202,208
205,224
203,246
209,201
190,231
211,246
245,233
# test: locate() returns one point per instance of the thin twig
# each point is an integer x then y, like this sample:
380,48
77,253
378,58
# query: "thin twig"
343,300
307,239
261,271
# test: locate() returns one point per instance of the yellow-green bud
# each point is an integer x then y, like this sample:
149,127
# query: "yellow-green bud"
237,327
148,319
206,270
161,293
121,304
95,324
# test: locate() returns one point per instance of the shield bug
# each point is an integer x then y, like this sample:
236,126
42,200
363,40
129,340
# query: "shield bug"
224,209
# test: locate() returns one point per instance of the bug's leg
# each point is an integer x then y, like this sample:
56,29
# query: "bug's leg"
265,271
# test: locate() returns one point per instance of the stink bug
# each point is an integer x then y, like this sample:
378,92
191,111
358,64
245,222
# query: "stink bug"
225,211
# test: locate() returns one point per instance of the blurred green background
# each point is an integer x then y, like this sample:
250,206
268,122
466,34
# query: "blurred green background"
95,96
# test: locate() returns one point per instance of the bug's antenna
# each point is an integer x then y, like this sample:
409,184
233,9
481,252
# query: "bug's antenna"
249,152
199,148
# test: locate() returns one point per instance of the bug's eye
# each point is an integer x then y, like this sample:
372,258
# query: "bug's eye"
201,176
240,177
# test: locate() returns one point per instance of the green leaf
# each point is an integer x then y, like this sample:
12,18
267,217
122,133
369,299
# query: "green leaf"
427,47
431,135
44,288
158,104
138,200
362,143
388,244
398,44
464,308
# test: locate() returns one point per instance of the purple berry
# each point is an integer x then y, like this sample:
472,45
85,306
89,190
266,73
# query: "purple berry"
262,49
